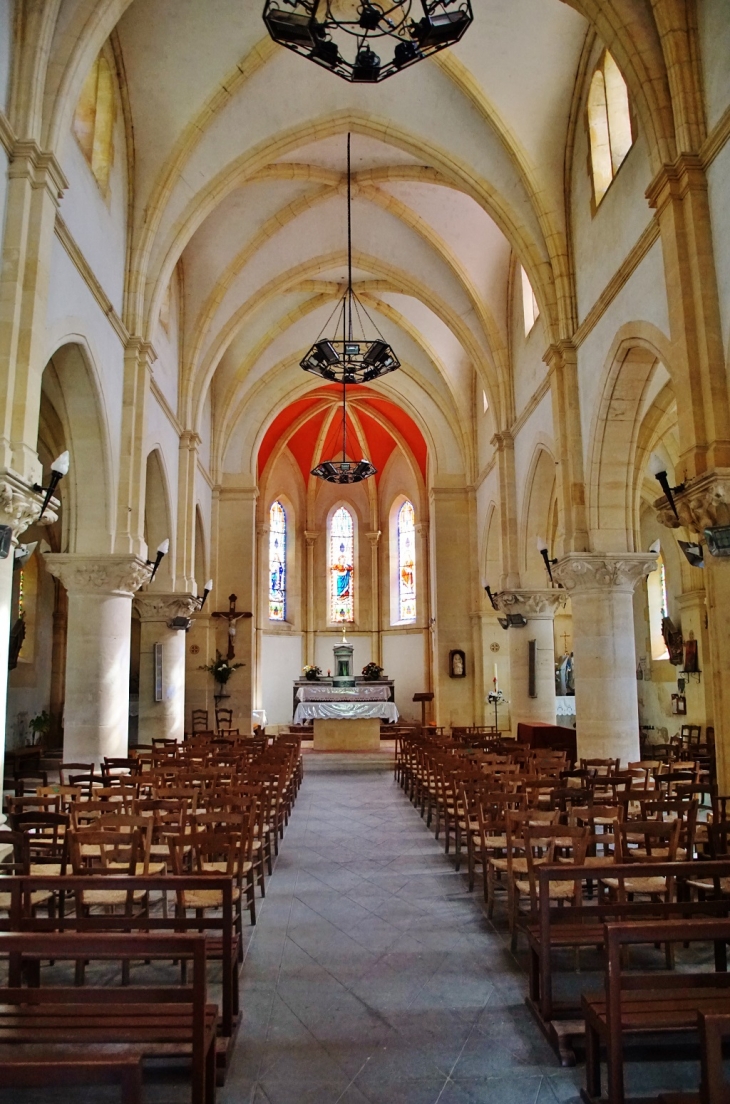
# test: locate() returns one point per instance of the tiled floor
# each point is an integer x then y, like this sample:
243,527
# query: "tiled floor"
372,975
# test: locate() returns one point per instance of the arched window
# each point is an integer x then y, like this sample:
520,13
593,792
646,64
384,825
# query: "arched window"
529,303
93,122
342,557
656,586
406,563
277,563
609,124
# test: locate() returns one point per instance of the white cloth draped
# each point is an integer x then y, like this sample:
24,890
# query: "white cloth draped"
342,693
345,710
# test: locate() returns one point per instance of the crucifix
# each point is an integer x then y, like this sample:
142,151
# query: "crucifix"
232,615
566,638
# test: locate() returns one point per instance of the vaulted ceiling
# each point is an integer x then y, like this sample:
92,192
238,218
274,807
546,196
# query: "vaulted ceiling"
239,170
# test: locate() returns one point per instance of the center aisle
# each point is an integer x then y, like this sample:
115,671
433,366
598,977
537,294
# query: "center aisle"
372,975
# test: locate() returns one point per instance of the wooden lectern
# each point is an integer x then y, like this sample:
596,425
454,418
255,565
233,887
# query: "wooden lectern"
423,699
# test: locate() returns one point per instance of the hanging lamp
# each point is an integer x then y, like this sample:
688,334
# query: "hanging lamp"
364,41
350,357
344,471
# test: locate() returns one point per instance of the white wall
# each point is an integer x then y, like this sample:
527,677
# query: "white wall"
281,664
404,662
6,38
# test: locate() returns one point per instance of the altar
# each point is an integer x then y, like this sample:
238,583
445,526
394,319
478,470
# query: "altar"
346,711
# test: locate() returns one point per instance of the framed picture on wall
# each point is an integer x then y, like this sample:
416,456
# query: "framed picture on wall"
457,663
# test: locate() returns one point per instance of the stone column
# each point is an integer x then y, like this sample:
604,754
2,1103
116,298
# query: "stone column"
310,621
704,503
19,508
186,499
100,591
538,607
601,588
165,718
236,573
376,650
562,361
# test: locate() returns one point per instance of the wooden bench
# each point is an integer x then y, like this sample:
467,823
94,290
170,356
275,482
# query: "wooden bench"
148,1022
570,928
222,941
714,1089
46,1072
638,1004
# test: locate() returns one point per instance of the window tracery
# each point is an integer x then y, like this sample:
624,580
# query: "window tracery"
407,562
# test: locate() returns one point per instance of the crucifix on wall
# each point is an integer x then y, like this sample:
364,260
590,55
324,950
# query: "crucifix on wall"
232,615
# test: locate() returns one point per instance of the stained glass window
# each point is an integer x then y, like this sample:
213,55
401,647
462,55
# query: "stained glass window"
277,563
407,563
342,555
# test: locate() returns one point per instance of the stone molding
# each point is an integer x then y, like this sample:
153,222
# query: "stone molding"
310,536
535,605
703,504
20,506
374,537
586,571
29,162
111,575
163,607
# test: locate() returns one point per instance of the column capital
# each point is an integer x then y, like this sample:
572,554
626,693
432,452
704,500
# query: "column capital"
310,536
591,571
41,169
703,503
121,576
374,537
558,353
535,605
140,350
189,439
163,607
676,179
20,505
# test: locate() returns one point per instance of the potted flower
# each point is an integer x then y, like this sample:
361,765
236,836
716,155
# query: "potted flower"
372,672
40,726
221,670
312,673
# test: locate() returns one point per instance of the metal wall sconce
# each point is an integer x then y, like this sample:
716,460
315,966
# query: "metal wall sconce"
162,551
490,596
59,468
655,467
543,550
206,591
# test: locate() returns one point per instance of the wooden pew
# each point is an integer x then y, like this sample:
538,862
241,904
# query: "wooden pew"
54,1072
651,1003
222,942
149,1022
557,928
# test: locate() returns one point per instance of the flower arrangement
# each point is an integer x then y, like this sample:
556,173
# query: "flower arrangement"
40,726
221,670
372,672
312,672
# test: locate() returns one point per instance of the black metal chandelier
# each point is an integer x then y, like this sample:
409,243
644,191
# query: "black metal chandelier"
341,34
344,471
350,357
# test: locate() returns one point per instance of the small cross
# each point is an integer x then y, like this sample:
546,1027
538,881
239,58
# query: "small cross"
566,638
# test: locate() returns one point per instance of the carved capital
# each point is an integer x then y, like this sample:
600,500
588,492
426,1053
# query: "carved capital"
703,504
584,571
20,505
163,607
310,536
374,537
113,575
533,604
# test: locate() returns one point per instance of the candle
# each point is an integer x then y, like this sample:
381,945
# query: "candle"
496,684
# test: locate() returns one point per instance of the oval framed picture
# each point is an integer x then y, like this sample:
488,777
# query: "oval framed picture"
457,663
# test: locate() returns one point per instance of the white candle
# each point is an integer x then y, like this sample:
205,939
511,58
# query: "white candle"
496,684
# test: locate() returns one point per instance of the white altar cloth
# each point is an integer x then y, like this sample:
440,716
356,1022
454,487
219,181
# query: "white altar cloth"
342,693
344,710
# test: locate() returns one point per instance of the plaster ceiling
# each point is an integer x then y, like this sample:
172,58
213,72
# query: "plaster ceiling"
239,158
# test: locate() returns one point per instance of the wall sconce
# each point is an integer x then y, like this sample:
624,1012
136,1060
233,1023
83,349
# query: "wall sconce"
206,591
718,540
490,596
59,468
162,551
659,473
543,550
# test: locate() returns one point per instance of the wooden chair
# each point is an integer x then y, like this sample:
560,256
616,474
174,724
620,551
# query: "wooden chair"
539,844
223,719
65,1070
200,720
